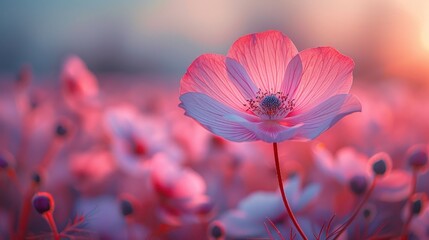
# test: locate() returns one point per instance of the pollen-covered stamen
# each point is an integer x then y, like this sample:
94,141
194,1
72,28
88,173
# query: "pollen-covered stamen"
270,105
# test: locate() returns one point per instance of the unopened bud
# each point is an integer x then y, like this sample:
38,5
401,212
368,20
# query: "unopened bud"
126,207
418,157
358,184
43,202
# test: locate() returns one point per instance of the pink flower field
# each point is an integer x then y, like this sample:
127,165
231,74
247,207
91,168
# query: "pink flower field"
162,120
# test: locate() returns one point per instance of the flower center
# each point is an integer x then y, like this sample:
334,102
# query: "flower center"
268,105
138,147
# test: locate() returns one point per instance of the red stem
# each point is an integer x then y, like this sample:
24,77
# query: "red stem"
285,201
357,210
25,214
409,202
49,155
52,225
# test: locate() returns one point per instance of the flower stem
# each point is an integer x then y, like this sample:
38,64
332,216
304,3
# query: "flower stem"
52,225
409,203
357,210
285,201
25,212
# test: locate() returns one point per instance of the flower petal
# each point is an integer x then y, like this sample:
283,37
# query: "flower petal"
221,78
325,73
211,114
292,76
309,194
262,205
265,56
394,187
267,131
239,225
323,116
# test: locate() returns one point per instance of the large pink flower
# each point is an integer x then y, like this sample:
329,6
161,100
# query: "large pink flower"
264,89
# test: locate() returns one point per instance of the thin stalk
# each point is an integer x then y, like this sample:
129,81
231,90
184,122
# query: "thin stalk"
25,212
357,210
52,225
282,190
409,203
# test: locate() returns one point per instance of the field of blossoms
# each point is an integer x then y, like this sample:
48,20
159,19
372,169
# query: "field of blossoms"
262,140
122,161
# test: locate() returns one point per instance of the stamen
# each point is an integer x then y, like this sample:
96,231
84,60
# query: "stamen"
270,105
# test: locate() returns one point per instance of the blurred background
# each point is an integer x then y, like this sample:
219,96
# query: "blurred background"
138,51
388,39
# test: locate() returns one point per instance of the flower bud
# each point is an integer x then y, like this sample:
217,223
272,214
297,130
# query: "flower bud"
6,160
126,207
43,202
36,178
3,162
418,201
61,130
358,184
369,212
417,156
217,231
379,167
380,164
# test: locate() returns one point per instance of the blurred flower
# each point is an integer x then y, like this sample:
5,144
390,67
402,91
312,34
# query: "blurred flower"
79,85
181,193
136,140
265,90
348,175
259,207
417,157
92,171
419,226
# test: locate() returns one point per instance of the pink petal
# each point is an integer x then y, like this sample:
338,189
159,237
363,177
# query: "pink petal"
77,79
216,117
221,78
323,116
292,77
395,186
325,73
176,182
265,56
324,159
268,131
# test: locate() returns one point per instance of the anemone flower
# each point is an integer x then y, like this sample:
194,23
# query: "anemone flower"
264,89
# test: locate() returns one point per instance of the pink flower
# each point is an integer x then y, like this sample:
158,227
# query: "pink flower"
264,89
181,193
138,140
348,175
79,85
92,171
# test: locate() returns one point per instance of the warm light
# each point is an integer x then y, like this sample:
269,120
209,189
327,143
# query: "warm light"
425,36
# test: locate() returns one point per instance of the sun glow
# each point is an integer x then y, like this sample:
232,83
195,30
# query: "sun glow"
424,36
